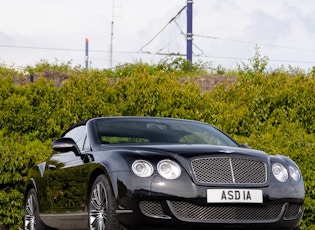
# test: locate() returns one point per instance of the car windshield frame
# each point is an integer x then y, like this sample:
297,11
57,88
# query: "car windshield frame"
149,130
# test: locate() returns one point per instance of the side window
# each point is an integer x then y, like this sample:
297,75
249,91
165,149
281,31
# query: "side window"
78,134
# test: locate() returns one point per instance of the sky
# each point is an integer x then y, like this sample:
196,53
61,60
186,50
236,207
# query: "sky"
226,33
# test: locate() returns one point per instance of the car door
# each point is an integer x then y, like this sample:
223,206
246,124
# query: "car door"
67,176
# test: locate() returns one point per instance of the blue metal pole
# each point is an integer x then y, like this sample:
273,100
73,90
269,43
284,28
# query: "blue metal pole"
189,29
86,53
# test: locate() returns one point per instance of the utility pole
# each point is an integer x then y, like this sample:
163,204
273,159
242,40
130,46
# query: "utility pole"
189,29
112,36
86,53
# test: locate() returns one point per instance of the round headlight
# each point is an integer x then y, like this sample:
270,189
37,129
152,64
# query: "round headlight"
142,168
168,169
280,172
294,173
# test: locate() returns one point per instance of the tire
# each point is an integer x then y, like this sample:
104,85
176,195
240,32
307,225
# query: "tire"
31,220
101,206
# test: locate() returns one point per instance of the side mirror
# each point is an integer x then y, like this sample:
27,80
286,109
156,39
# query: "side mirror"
65,144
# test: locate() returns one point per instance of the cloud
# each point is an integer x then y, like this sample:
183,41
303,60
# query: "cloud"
266,28
230,30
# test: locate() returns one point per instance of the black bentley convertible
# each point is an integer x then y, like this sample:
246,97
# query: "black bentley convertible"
158,173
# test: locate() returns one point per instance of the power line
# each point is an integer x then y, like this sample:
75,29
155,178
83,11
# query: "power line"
175,53
41,48
155,36
65,49
253,43
217,38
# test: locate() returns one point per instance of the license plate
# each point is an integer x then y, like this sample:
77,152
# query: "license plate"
234,196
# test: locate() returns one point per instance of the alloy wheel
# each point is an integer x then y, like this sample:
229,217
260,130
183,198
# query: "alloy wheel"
98,207
30,212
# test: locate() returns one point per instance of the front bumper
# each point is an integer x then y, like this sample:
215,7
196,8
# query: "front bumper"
158,203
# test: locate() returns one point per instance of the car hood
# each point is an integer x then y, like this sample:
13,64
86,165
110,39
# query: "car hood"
122,155
191,150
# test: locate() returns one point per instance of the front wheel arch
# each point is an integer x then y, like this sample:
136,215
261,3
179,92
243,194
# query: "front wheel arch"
102,205
30,185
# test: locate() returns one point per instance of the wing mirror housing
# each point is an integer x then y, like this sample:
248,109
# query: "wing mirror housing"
65,144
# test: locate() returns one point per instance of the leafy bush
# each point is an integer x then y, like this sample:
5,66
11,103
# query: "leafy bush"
18,154
272,111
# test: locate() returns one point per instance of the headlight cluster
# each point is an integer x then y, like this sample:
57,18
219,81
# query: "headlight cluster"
166,168
142,168
282,174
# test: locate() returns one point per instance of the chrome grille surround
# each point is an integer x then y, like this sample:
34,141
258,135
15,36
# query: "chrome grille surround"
229,170
191,212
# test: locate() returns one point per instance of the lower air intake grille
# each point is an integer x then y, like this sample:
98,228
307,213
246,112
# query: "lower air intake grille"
152,209
293,211
217,213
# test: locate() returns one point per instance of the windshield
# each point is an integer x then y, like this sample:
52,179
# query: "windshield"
158,130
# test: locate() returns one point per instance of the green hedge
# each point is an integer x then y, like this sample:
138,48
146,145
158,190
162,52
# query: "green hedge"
18,154
271,111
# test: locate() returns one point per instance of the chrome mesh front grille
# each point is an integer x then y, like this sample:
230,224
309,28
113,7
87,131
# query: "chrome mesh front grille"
152,209
229,170
228,213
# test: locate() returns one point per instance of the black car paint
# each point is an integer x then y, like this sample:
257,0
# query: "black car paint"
64,204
